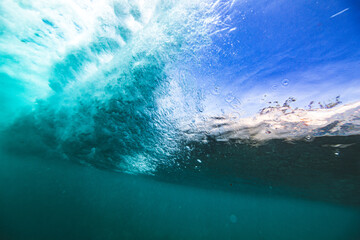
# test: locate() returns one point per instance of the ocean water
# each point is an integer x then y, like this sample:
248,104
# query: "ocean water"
49,199
179,120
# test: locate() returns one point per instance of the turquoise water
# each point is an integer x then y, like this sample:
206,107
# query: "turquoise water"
162,120
48,199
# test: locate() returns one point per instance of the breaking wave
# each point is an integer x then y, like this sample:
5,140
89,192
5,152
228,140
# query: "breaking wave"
111,84
95,78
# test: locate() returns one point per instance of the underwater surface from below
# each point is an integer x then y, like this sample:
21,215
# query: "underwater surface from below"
191,119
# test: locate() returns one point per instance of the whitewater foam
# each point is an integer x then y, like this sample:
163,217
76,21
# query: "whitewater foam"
94,76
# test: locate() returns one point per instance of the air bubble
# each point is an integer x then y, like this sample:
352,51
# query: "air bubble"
229,98
199,108
274,87
309,138
236,103
285,82
200,94
199,161
263,99
215,90
337,152
182,76
233,218
234,116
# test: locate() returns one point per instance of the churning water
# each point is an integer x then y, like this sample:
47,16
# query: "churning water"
178,120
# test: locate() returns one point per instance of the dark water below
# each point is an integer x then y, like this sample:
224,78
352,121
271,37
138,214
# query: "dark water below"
325,169
50,199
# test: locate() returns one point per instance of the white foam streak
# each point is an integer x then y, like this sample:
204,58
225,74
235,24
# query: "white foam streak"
336,14
282,123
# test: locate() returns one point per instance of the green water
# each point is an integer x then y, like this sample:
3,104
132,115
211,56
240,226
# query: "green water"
49,199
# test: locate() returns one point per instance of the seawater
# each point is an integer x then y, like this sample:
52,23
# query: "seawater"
100,135
48,199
